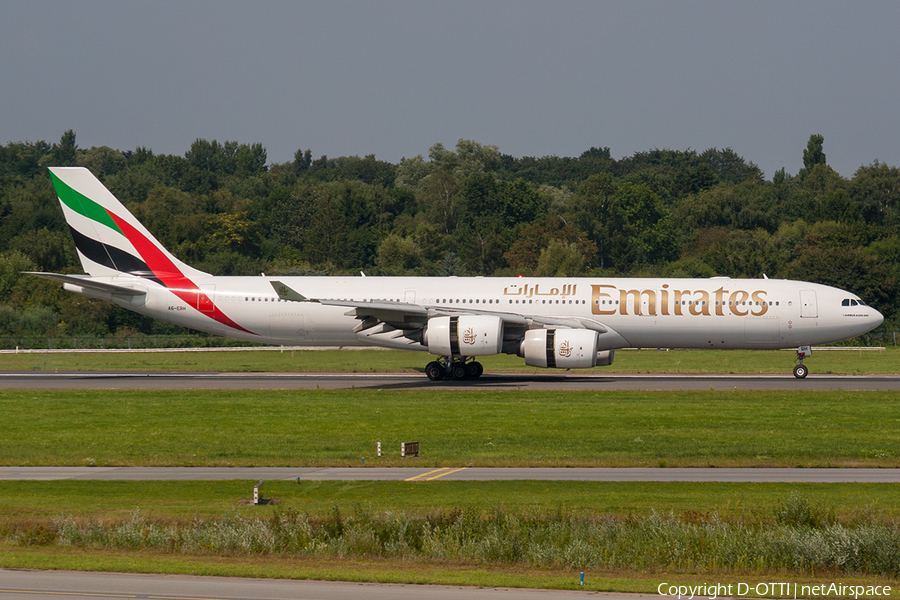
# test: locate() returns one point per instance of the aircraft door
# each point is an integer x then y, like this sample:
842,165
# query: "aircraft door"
205,298
808,307
409,296
646,309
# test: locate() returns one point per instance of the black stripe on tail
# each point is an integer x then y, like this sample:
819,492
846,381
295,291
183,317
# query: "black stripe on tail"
111,257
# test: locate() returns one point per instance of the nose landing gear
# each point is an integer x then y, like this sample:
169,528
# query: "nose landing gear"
801,370
457,368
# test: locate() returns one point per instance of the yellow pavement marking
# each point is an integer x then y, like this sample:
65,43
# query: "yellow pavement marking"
447,473
428,473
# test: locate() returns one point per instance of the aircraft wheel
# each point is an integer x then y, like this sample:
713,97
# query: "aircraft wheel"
459,371
801,371
474,370
434,370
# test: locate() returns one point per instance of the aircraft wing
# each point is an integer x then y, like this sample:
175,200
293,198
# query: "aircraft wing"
404,315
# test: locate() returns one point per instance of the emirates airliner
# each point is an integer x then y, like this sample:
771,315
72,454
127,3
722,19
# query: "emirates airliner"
562,323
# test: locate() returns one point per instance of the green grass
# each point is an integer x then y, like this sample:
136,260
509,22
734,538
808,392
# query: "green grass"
627,361
27,509
38,501
378,571
455,428
391,571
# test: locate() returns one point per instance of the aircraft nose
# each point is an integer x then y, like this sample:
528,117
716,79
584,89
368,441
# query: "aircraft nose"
875,318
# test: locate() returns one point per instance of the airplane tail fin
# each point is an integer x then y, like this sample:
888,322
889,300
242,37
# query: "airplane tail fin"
109,239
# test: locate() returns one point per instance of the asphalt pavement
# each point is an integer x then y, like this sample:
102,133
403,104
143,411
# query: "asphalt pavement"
173,380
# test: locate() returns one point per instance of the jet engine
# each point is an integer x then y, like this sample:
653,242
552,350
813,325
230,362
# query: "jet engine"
563,349
464,335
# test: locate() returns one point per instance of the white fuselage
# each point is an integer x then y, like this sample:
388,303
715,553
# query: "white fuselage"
649,313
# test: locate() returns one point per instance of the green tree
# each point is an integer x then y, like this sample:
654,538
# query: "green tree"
594,211
875,188
302,161
443,199
524,255
398,256
730,167
47,250
64,152
560,259
451,266
814,153
646,236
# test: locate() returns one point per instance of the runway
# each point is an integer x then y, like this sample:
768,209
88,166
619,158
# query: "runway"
46,585
450,473
172,380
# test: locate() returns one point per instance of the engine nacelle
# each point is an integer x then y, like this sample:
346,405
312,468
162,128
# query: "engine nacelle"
605,357
562,349
464,335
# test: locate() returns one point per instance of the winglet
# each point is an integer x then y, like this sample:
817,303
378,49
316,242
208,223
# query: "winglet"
286,293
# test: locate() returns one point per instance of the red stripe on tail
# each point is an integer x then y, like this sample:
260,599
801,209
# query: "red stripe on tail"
169,274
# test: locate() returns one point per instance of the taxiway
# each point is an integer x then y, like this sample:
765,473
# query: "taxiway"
451,473
173,380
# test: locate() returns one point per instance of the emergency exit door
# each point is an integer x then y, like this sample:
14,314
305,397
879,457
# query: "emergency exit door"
808,304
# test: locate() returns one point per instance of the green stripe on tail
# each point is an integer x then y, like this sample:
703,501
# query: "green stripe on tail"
83,205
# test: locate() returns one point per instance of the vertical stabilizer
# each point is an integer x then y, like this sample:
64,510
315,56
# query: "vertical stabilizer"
110,241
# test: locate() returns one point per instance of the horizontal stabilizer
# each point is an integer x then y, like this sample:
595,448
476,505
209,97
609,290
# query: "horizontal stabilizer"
86,281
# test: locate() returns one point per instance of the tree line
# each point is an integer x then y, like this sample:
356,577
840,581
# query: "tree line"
469,210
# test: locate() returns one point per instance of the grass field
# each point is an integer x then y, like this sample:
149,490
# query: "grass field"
455,428
397,571
626,361
103,531
37,501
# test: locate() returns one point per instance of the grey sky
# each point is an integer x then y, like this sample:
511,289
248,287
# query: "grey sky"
392,78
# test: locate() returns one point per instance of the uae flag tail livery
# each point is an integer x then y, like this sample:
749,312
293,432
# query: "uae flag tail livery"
111,243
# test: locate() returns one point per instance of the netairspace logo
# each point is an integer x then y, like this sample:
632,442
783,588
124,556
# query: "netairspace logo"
778,589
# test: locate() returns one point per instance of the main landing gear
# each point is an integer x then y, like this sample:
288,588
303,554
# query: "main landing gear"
456,368
801,370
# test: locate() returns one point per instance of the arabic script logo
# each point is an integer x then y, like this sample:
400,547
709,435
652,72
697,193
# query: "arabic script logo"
469,336
565,349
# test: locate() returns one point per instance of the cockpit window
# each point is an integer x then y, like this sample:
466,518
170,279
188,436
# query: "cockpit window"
852,302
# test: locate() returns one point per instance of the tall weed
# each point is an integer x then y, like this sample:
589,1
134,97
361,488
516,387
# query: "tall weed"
800,539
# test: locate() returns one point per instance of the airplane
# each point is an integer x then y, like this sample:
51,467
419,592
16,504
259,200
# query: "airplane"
562,323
